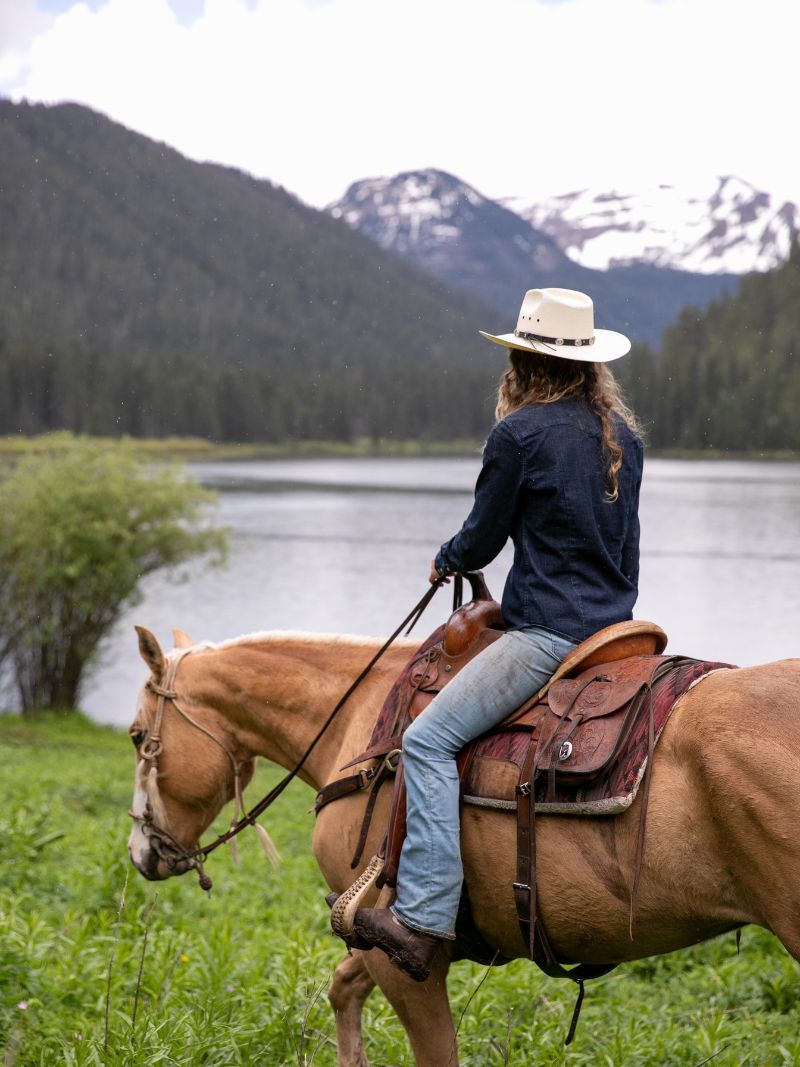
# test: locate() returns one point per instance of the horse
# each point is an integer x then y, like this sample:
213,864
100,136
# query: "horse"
722,847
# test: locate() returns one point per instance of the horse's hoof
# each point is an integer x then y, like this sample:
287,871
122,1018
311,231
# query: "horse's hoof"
331,899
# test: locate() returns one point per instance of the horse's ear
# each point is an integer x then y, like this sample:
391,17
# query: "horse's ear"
150,651
181,639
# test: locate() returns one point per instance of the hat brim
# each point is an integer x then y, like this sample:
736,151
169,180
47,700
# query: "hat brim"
608,345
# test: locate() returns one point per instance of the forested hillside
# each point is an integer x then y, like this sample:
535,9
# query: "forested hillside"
143,293
728,377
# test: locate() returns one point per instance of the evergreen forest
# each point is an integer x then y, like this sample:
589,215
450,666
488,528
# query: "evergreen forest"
726,378
142,293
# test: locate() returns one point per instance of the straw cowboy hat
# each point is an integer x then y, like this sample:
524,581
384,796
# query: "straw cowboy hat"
560,322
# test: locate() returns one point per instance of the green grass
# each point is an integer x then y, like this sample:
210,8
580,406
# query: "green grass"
240,977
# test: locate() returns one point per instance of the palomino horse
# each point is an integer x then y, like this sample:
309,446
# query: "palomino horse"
722,843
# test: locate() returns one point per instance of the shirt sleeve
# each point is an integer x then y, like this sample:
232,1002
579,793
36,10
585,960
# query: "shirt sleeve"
630,549
488,525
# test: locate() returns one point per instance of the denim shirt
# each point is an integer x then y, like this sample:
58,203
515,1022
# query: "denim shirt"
543,483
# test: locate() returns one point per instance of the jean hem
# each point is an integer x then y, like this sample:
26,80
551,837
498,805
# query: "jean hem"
420,929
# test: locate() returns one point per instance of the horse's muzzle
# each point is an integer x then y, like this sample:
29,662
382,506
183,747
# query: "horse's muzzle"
156,868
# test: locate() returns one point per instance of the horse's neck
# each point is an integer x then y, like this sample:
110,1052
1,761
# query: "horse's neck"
277,690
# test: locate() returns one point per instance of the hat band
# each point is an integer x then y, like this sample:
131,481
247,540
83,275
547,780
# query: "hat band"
576,342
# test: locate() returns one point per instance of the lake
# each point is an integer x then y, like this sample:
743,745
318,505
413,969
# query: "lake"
344,545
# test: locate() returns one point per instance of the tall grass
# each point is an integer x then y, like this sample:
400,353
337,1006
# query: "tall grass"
97,971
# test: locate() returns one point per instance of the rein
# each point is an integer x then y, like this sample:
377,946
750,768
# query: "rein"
164,844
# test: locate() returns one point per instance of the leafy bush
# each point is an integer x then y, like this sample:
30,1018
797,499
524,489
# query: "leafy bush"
79,529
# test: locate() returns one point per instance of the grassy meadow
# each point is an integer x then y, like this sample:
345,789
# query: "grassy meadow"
99,967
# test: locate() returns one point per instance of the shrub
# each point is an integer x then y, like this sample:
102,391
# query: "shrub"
79,529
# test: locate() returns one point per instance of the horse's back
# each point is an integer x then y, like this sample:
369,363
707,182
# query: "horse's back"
740,710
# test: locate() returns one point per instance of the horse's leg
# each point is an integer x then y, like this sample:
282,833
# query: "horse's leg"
422,1007
351,985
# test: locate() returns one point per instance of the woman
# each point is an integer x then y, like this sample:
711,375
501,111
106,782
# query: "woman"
561,474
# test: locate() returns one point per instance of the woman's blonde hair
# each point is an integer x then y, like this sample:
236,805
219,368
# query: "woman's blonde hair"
536,378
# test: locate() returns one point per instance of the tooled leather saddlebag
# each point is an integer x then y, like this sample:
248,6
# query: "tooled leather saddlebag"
588,719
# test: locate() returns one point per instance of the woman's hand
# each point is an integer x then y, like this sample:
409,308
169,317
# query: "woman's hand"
434,576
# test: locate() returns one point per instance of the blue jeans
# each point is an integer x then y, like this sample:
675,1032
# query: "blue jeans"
481,695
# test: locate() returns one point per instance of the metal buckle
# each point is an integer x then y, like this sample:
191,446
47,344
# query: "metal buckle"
394,755
524,789
565,751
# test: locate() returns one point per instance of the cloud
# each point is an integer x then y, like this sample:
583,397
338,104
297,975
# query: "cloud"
520,97
20,22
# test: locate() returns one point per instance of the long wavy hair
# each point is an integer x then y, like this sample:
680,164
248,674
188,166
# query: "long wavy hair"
536,378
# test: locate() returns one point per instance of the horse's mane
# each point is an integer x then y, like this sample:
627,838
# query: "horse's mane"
297,637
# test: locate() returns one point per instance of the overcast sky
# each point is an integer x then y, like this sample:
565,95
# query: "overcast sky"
518,97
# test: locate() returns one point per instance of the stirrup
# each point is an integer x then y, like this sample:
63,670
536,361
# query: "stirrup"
344,910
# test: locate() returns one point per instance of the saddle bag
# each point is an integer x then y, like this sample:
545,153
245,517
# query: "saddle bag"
587,720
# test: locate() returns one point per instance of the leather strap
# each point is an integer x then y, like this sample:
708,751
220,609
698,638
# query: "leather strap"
533,931
388,767
568,341
343,787
637,865
395,833
525,885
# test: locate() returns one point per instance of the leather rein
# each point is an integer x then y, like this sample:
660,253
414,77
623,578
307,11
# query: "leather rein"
163,843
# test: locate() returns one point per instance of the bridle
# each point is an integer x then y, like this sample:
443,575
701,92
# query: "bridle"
163,843
167,847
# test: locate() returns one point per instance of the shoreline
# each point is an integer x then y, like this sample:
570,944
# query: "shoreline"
199,449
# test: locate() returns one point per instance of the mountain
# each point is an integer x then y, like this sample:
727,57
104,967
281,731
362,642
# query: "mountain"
446,226
141,292
729,227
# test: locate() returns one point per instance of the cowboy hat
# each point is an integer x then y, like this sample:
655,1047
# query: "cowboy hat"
560,322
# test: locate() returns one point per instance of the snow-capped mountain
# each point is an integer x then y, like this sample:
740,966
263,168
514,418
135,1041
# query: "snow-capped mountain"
448,227
479,245
730,226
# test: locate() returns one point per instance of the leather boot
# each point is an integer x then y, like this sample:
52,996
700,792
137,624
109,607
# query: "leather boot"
407,949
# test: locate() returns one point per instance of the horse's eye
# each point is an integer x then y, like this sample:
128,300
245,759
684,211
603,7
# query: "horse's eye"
138,737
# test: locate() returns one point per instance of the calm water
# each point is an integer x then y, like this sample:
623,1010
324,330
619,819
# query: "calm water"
345,546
